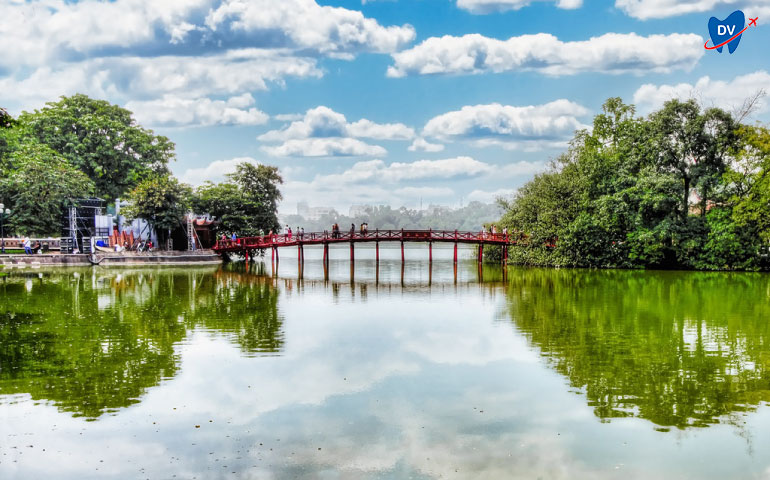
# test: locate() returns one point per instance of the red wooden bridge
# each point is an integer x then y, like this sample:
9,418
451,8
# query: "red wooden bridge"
248,245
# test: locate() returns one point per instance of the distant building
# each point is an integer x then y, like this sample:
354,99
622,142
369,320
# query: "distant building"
437,209
358,210
303,209
313,213
317,212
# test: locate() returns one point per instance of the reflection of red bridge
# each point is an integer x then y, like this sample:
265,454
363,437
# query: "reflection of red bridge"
274,242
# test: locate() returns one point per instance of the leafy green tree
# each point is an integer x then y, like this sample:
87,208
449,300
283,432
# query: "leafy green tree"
102,140
692,145
162,201
621,195
246,203
38,189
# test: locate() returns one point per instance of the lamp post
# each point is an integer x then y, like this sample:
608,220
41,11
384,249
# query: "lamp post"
4,212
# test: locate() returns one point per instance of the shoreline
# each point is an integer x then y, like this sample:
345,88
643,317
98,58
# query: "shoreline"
199,257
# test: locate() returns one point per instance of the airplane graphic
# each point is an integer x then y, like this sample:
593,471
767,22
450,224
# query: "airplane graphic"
753,21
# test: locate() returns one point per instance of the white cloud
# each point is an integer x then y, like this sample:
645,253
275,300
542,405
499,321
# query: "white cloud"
141,50
325,147
402,183
490,6
324,132
484,196
172,110
288,117
305,24
427,192
609,53
214,172
323,122
381,131
445,168
529,127
231,73
42,31
422,145
647,9
728,95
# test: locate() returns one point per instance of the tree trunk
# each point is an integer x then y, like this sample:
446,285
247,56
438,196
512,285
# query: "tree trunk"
685,203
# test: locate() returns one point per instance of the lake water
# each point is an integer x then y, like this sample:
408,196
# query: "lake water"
386,373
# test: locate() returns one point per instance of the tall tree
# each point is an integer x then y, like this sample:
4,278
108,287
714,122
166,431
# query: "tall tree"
162,201
259,184
246,203
102,140
620,196
692,145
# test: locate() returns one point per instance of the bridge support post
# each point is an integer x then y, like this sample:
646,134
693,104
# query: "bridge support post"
247,256
430,252
300,259
326,255
402,252
505,254
352,253
455,253
377,250
481,252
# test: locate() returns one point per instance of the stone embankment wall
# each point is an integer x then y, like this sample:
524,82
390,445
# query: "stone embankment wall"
199,257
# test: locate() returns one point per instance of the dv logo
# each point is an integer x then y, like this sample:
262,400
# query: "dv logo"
728,31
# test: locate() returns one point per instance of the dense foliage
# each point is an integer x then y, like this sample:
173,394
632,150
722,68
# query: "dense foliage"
39,188
72,148
100,139
682,188
80,147
246,203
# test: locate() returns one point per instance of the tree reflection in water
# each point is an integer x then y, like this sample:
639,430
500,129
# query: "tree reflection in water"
681,349
93,341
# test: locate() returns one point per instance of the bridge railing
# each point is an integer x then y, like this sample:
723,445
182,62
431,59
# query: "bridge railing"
278,240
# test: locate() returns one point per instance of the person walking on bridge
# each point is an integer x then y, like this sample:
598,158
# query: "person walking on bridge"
352,230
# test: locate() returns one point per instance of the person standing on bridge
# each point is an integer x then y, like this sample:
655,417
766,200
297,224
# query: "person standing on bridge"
352,230
289,233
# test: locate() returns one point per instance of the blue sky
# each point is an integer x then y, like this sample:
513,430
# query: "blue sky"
378,102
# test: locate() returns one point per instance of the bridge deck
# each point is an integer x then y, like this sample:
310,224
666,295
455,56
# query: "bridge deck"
325,238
